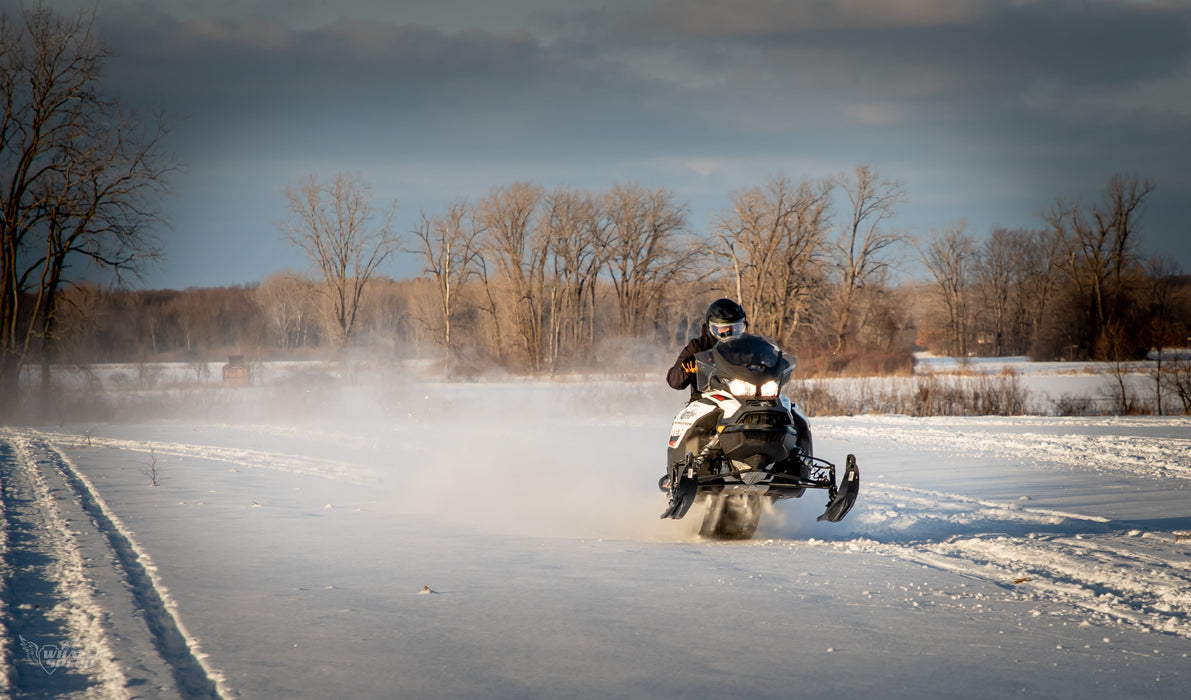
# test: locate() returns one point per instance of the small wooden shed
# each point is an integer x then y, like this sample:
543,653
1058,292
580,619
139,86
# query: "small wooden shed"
237,372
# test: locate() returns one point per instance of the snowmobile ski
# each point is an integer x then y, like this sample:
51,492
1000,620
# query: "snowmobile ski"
682,495
845,497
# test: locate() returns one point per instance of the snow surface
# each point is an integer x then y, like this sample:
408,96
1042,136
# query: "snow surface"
397,539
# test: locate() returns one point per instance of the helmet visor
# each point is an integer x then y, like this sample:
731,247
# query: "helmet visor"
725,330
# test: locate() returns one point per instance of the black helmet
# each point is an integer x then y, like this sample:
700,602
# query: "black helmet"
725,318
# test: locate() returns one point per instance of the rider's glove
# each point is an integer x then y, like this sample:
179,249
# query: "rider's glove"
689,367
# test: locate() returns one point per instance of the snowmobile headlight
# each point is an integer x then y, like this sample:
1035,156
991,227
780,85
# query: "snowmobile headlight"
769,389
739,387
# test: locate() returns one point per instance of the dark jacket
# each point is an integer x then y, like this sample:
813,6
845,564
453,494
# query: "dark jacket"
677,377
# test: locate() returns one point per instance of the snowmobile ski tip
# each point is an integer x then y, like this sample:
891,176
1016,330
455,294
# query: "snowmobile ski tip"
845,498
682,496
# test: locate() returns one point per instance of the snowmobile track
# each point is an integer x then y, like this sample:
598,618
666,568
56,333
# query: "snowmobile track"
1121,572
47,599
115,604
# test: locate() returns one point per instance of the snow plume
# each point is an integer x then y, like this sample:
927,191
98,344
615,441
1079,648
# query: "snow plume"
535,458
567,457
563,456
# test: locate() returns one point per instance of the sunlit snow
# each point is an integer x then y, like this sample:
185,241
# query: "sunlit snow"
396,538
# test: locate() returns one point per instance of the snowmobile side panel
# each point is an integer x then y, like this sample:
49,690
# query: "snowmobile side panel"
687,417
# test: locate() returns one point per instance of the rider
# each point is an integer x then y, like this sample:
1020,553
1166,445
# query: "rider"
725,319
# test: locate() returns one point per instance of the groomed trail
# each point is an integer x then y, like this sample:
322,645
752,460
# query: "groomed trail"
84,611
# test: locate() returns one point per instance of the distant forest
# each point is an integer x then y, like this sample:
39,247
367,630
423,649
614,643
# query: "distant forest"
528,280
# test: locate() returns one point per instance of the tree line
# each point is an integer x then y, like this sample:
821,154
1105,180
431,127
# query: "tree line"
530,279
1079,287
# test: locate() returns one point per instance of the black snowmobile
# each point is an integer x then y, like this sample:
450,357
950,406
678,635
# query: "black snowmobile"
743,442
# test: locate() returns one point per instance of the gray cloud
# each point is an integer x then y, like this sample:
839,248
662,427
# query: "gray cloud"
767,20
1050,96
728,73
935,47
263,60
988,109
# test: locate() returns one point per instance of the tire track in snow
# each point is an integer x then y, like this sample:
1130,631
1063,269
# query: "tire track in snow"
908,514
49,603
7,675
1133,578
191,670
1106,584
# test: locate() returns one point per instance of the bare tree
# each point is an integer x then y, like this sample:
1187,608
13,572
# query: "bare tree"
489,283
1177,380
78,176
1098,245
1163,331
993,268
287,300
575,224
448,246
888,322
519,254
772,237
196,317
332,224
392,313
80,318
860,250
949,257
646,250
1034,280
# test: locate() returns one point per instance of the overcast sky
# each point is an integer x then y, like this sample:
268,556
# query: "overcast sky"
986,110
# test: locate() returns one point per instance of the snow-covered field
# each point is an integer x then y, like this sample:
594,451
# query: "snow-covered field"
502,540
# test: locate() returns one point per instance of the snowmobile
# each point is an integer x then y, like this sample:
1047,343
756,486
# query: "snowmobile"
742,442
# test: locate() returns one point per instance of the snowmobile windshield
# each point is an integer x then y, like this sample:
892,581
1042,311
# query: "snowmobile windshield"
749,350
750,357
